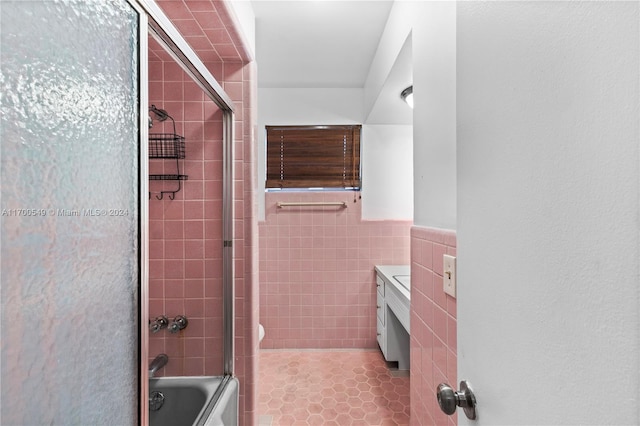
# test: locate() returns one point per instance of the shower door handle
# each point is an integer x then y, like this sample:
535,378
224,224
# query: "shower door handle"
449,399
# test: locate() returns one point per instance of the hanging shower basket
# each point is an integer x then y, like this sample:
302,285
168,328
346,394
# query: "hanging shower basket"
166,145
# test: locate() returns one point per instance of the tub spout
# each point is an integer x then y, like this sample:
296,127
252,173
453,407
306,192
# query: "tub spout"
157,363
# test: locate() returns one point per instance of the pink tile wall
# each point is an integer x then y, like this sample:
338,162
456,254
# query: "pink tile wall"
211,28
317,280
433,325
185,233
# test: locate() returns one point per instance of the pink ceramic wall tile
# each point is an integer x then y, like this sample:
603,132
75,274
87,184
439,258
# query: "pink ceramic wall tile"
306,256
173,74
193,229
156,293
227,51
217,36
439,296
438,251
194,111
452,307
208,20
194,249
176,110
194,268
173,93
173,307
194,209
201,42
156,77
174,249
189,28
234,71
194,366
173,269
194,289
173,289
173,211
433,324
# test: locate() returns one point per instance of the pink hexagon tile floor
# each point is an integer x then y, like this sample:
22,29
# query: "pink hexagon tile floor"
331,388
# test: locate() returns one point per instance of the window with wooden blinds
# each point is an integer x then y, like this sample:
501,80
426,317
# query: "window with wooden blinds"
313,156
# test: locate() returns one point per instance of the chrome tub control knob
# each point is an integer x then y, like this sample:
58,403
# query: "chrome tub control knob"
179,323
449,399
158,323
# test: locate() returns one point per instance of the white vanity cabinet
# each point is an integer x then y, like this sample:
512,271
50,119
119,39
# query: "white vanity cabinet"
381,308
393,303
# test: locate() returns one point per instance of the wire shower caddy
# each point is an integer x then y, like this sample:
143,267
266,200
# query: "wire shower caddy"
166,146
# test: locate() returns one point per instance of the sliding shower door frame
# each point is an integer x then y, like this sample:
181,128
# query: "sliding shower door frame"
143,206
153,21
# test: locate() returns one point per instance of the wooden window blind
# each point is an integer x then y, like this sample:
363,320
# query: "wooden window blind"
313,156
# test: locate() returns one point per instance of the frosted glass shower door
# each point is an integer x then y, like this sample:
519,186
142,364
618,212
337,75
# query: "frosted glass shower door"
70,207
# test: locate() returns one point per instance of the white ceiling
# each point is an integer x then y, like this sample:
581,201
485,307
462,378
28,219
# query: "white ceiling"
317,43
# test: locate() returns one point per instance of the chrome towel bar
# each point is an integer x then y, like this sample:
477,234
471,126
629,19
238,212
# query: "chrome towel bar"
341,204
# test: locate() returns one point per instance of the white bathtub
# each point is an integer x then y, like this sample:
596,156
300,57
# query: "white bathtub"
195,401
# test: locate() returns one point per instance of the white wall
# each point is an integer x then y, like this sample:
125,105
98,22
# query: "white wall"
395,34
434,117
340,106
387,172
304,106
432,27
548,196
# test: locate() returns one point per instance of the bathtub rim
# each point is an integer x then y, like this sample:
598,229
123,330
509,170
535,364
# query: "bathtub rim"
212,396
213,401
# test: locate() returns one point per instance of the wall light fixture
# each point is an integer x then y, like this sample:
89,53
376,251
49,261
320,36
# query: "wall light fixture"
407,95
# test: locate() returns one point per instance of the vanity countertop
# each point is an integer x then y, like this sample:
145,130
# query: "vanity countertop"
399,276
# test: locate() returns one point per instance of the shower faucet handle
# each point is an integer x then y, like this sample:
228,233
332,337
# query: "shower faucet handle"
179,323
158,323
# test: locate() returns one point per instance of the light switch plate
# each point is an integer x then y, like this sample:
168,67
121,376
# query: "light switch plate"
449,275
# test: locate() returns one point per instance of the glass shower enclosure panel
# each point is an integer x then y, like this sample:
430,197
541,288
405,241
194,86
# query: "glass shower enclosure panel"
70,221
185,218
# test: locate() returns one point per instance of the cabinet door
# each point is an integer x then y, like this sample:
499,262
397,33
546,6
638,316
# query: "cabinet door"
380,308
382,338
380,285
